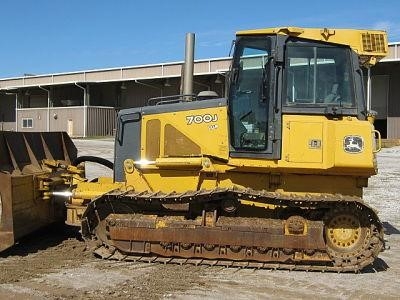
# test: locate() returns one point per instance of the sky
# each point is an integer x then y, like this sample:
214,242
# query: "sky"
53,36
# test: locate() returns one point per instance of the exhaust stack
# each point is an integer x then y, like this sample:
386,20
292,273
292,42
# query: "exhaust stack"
188,66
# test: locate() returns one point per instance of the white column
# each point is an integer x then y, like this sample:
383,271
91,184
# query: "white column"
369,89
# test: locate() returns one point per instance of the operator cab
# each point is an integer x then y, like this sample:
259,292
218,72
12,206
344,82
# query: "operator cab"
275,74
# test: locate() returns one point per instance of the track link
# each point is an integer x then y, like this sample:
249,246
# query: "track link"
114,254
364,234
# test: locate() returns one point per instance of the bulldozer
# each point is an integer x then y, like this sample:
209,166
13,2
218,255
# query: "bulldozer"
271,176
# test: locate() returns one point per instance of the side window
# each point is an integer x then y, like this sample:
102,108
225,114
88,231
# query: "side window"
318,76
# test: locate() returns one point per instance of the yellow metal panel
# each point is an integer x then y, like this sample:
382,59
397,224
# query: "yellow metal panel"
176,143
362,159
297,157
312,145
153,129
195,127
333,133
90,190
166,180
305,142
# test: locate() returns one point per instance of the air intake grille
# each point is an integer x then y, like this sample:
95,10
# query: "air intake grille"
373,42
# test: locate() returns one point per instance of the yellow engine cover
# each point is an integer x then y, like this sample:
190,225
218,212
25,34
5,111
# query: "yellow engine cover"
189,150
185,134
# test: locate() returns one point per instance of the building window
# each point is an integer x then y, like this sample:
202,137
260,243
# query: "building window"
27,123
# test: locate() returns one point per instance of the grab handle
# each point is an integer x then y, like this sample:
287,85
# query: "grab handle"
377,135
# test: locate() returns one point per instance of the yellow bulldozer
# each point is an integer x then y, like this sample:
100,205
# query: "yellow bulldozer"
271,176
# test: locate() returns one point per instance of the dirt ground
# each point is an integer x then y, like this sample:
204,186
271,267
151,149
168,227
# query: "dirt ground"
52,263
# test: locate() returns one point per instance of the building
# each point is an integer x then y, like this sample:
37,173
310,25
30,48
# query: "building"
385,93
84,103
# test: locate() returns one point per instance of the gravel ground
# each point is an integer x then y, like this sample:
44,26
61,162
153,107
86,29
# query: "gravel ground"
52,263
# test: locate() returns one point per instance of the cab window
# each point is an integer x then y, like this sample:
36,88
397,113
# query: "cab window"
318,76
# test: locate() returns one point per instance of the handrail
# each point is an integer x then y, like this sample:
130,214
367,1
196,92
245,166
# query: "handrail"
379,146
171,99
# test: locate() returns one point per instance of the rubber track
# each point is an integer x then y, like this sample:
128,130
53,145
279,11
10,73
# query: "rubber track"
304,201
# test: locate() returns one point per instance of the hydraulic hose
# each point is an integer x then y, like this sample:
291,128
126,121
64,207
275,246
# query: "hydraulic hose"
94,159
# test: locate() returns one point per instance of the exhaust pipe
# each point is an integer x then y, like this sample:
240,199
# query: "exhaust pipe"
188,66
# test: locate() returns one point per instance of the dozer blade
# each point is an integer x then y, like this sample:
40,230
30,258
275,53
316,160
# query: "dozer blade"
22,208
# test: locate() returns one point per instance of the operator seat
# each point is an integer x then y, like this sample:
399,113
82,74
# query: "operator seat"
333,96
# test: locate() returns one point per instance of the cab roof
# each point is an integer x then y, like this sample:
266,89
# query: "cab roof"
370,45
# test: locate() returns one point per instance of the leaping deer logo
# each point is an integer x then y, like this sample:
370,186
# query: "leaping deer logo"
353,144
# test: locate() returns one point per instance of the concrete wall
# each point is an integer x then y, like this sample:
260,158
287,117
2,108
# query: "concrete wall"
38,116
7,126
61,118
58,117
100,120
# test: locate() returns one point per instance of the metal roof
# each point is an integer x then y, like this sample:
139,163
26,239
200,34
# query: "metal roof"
126,73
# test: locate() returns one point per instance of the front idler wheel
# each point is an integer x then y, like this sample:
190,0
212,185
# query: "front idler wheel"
347,235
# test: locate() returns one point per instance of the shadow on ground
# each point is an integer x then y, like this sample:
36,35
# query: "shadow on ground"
390,229
42,239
